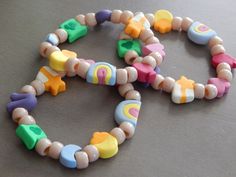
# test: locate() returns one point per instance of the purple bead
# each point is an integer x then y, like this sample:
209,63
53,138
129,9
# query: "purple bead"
102,16
22,100
157,70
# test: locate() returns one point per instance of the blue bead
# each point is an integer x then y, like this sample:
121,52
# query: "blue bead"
200,33
52,38
102,16
67,156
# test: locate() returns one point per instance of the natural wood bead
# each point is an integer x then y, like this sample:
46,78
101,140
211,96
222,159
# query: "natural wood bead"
123,35
38,86
157,57
90,19
150,18
138,60
43,146
123,89
62,35
121,76
81,19
215,41
146,34
18,113
92,151
152,40
217,49
210,91
133,95
71,66
119,134
150,61
176,23
27,120
55,150
130,56
43,48
199,91
132,74
28,89
186,23
128,128
158,82
225,74
83,69
115,16
81,159
126,16
50,50
168,84
223,66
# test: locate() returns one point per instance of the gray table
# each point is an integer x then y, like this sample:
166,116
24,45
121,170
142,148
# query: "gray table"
192,140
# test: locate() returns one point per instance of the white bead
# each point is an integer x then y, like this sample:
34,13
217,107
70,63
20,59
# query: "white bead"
119,134
128,128
38,86
90,19
150,61
150,18
43,146
18,113
199,91
28,89
210,91
168,84
158,82
92,151
132,74
223,66
123,89
81,19
27,120
115,16
157,57
215,41
81,159
217,49
133,95
225,74
130,56
55,150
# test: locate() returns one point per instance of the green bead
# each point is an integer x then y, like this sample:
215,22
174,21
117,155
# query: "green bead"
30,134
125,45
74,29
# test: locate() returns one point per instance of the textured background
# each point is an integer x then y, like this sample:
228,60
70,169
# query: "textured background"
192,140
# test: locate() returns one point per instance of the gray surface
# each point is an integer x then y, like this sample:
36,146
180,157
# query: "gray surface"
193,140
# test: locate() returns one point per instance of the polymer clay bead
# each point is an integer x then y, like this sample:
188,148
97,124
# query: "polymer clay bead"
123,46
223,57
128,128
27,120
163,21
55,149
18,113
92,152
146,73
150,48
52,38
222,85
57,61
119,134
102,16
43,146
81,159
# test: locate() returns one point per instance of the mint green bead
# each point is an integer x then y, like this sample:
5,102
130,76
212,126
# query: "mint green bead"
74,29
125,45
30,134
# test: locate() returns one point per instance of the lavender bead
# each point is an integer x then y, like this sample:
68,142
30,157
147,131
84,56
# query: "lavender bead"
157,70
102,16
20,100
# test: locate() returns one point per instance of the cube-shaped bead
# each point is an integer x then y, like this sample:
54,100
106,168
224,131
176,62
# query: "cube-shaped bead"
125,45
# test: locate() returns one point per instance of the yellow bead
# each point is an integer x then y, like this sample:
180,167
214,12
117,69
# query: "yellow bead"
163,21
57,61
163,14
69,54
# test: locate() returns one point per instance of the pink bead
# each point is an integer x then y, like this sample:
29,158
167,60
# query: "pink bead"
133,95
123,89
168,84
217,49
18,113
157,57
221,85
27,120
152,40
62,35
71,66
150,18
83,69
223,66
157,47
126,16
119,134
92,151
115,16
186,23
220,58
225,74
150,61
210,91
176,23
81,19
43,48
43,146
121,76
55,150
215,41
81,159
38,86
128,128
28,89
158,82
132,74
90,19
146,73
130,56
199,91
146,34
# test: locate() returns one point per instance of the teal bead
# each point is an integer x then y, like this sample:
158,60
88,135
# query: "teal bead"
124,45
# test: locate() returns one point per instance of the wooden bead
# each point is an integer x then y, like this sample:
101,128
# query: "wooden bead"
126,16
128,128
217,49
27,120
150,61
115,16
146,34
158,82
138,60
199,91
133,95
186,23
43,48
71,67
123,35
119,134
225,74
62,35
157,56
168,84
81,19
90,19
123,89
210,91
215,41
18,113
83,69
28,89
152,40
223,66
50,50
176,23
121,76
130,56
81,159
92,152
132,74
38,86
55,150
43,146
150,18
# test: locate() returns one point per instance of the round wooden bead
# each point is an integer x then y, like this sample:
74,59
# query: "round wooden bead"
128,128
81,159
130,56
115,16
138,60
71,66
158,82
123,89
123,35
92,152
215,41
119,134
150,18
199,91
28,89
81,19
132,74
168,84
38,86
146,34
62,35
210,91
186,23
133,95
223,66
83,69
176,23
225,74
50,50
126,16
90,19
150,61
43,48
152,40
121,76
18,113
55,150
43,146
157,57
27,120
217,49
